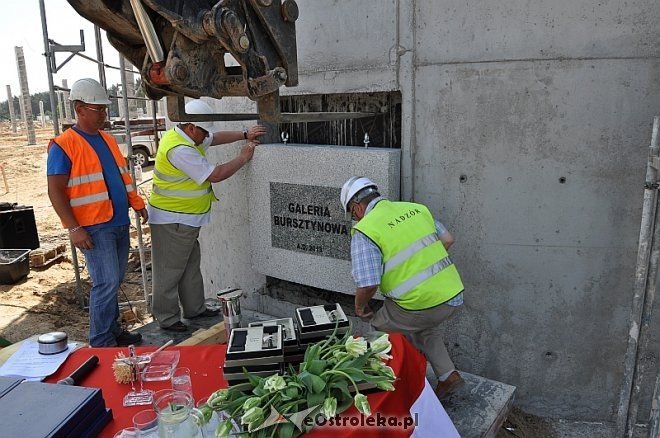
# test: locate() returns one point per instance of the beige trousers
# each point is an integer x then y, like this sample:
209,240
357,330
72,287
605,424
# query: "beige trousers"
176,276
422,328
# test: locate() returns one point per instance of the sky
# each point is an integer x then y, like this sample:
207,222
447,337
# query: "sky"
20,25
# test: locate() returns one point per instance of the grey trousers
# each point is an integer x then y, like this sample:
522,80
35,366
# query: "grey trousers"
176,276
422,328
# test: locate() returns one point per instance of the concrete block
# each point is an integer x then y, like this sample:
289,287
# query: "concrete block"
298,228
480,407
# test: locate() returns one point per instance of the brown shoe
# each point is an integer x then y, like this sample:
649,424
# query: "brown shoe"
453,382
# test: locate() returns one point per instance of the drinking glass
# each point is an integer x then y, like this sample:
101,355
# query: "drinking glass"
129,432
181,380
146,423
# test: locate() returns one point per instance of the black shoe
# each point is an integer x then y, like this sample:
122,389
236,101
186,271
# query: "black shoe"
207,313
176,327
126,338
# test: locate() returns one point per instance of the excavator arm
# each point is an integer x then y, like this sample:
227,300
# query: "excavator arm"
181,48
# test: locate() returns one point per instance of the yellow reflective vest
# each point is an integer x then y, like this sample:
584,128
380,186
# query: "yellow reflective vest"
173,190
417,271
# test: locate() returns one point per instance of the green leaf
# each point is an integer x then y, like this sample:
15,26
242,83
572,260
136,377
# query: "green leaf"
254,381
344,403
314,383
376,379
342,386
355,374
358,362
317,366
315,399
285,430
312,353
290,392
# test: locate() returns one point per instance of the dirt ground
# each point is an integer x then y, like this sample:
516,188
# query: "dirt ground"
47,300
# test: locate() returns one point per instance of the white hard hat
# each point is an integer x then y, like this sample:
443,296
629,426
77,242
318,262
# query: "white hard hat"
352,187
89,91
198,106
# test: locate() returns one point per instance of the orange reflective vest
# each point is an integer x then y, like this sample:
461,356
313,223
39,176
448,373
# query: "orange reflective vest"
86,189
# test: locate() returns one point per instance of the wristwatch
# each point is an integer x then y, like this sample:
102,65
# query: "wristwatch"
245,132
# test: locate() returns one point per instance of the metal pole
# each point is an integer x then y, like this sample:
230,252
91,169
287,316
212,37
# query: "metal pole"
647,310
74,257
148,32
49,55
129,146
56,131
99,56
154,110
654,421
641,278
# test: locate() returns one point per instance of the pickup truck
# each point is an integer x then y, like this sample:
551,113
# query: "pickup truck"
144,147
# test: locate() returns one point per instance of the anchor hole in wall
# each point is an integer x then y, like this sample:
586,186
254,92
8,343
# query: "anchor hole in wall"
462,178
562,180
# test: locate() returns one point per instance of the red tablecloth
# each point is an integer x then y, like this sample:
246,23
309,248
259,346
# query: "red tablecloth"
205,363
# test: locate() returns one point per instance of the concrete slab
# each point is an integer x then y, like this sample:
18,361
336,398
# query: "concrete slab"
298,228
480,407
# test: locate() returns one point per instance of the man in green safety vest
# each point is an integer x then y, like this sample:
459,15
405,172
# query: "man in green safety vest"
179,205
399,248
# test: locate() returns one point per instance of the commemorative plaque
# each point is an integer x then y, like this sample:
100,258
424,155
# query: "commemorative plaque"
309,219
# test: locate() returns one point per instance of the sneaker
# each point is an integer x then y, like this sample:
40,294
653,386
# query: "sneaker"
126,338
176,327
446,387
207,313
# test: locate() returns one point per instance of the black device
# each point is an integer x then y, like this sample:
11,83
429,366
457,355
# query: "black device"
80,373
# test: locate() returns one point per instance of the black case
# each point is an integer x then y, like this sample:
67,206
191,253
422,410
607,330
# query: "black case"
18,229
34,409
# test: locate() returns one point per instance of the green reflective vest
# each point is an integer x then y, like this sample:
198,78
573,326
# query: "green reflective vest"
173,190
417,271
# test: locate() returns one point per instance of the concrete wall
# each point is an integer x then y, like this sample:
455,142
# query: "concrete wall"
225,243
525,129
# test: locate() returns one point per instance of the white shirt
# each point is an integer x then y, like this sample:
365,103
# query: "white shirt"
197,167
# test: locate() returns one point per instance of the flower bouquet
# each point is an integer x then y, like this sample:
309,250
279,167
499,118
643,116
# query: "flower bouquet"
325,383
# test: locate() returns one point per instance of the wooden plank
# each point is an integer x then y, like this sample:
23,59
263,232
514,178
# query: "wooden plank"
215,334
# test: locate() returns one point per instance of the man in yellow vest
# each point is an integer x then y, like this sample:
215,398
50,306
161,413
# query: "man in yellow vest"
91,189
179,205
399,248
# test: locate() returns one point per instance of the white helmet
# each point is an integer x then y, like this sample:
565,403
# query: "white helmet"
198,106
89,91
352,187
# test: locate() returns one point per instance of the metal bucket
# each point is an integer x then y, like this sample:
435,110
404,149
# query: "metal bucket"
231,308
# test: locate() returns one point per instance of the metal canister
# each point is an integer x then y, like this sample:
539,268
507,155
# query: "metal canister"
231,308
52,343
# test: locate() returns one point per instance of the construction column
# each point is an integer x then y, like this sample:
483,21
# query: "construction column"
65,101
12,114
25,96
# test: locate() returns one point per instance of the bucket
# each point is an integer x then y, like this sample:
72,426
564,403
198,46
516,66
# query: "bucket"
231,308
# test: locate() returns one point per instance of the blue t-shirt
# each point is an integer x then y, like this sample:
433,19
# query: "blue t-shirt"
60,164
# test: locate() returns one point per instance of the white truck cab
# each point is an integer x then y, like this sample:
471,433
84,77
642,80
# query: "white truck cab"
144,147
